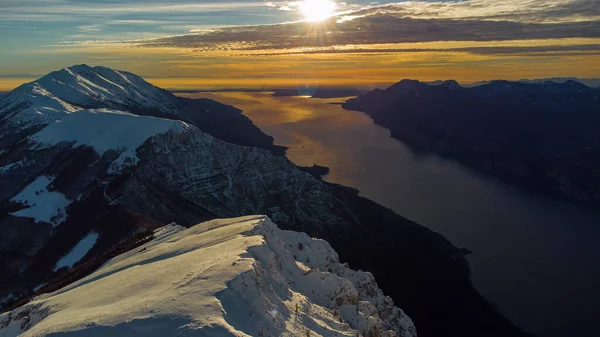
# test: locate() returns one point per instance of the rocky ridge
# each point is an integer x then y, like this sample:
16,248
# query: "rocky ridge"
242,277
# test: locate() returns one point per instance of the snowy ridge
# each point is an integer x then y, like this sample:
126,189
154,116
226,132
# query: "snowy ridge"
89,106
80,106
31,104
106,130
234,277
101,129
87,86
60,93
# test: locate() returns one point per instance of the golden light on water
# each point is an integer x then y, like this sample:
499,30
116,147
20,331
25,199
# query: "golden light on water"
317,10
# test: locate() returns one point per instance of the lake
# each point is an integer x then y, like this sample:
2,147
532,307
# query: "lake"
536,257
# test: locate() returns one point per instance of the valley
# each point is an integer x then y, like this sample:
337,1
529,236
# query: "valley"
532,255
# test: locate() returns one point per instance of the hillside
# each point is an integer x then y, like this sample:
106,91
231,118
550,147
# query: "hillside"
539,136
232,277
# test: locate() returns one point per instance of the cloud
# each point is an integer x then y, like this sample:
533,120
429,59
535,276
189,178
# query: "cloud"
532,11
400,22
97,8
379,28
90,28
428,39
584,49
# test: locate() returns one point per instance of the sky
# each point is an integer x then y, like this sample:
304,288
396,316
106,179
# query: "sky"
206,44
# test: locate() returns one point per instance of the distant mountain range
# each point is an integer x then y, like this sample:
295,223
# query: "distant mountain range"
541,136
96,159
590,82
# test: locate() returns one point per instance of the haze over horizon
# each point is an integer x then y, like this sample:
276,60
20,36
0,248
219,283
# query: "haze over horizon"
207,44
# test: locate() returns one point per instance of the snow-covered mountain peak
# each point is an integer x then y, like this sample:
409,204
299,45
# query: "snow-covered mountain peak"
228,277
94,87
79,87
99,107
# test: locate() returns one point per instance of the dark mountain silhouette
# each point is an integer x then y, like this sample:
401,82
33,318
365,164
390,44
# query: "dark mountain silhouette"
543,137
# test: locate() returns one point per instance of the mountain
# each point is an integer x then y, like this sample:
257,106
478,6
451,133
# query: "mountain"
56,95
589,82
543,137
219,278
450,84
90,169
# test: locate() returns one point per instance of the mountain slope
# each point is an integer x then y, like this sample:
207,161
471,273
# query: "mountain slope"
183,174
34,105
543,137
234,277
100,87
590,82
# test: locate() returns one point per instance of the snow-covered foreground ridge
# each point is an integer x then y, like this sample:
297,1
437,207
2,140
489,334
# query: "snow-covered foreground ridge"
232,277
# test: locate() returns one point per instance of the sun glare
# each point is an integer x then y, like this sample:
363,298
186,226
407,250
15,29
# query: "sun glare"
317,10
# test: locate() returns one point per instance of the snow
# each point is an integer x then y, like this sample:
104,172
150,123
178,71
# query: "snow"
55,96
39,106
60,101
6,168
84,86
39,286
78,252
106,130
43,205
228,277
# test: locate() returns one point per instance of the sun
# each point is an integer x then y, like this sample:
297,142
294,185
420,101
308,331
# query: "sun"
317,10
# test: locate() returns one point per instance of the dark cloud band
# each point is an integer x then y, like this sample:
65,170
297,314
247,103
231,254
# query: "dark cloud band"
373,29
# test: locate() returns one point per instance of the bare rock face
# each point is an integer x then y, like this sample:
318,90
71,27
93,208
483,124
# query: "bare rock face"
224,178
261,280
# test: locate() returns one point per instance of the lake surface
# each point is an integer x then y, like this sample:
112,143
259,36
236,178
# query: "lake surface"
537,258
